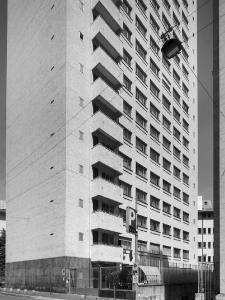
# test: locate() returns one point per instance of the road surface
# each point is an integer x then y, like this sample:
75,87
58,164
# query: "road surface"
12,297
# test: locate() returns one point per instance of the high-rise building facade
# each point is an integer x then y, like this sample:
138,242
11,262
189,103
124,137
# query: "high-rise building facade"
205,230
98,121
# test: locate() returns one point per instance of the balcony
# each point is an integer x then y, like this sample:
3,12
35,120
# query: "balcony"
106,128
106,221
104,66
107,160
105,190
106,96
109,12
100,252
103,35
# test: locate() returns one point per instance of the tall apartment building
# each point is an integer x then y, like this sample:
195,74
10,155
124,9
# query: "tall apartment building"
205,230
98,120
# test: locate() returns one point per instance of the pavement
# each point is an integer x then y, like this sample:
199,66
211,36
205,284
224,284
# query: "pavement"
10,294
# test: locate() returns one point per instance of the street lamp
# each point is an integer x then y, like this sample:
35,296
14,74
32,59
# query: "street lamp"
171,46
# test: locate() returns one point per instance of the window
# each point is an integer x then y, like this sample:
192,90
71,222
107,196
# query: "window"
185,217
141,221
166,23
81,236
185,3
166,85
176,133
154,179
166,208
185,72
141,74
185,125
155,6
81,169
154,133
185,254
185,90
209,230
199,231
185,55
176,212
141,5
166,103
176,4
176,233
127,135
126,162
154,89
176,115
154,202
185,179
185,160
154,248
154,25
154,46
209,245
166,229
154,111
81,5
177,60
81,102
142,246
126,188
127,109
209,258
141,121
176,253
127,33
140,27
185,107
176,192
176,172
204,230
141,171
185,142
122,214
184,19
125,244
176,152
166,143
176,96
81,68
199,245
176,77
127,83
81,36
186,198
141,97
141,196
166,251
166,164
166,123
127,8
140,50
127,58
166,63
81,203
154,225
166,4
176,21
140,145
154,68
166,186
154,155
81,135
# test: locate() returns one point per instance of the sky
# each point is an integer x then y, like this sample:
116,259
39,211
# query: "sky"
205,107
205,52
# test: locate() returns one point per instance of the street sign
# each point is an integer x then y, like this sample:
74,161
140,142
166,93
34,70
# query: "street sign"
135,278
131,220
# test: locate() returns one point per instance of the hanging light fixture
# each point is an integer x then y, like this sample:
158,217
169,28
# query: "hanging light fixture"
171,46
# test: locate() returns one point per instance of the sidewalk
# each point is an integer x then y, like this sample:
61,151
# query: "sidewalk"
46,295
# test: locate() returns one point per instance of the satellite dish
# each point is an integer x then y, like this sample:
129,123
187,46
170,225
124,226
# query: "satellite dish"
171,48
